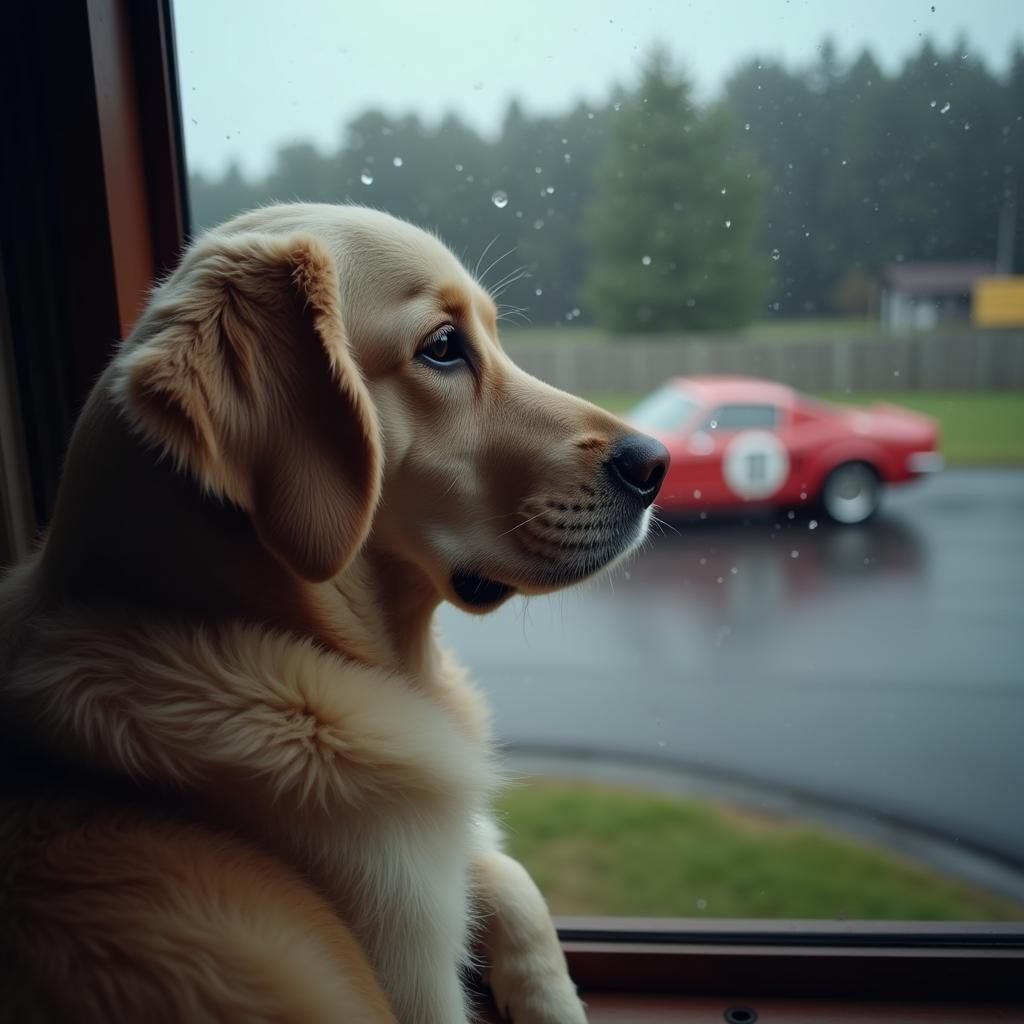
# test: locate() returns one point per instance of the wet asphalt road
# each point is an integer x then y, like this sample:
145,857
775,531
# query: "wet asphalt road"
878,668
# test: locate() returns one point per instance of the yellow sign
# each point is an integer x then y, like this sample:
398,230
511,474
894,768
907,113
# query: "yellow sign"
998,302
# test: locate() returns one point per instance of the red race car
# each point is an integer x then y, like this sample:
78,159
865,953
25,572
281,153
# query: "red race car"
738,442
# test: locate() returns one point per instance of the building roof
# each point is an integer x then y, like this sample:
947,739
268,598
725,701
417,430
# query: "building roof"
936,278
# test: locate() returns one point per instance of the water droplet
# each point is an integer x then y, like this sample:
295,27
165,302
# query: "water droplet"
791,514
458,167
813,524
366,178
590,115
538,224
500,199
933,104
733,570
478,86
661,743
538,291
844,163
575,311
696,494
616,107
776,254
538,170
967,126
398,161
645,260
550,190
702,904
945,109
803,495
567,157
723,191
895,373
794,553
746,127
728,223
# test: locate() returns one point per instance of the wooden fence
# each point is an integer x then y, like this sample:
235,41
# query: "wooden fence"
961,361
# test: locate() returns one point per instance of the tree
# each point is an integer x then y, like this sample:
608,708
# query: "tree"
674,217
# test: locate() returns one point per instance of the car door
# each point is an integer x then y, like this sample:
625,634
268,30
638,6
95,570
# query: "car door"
735,456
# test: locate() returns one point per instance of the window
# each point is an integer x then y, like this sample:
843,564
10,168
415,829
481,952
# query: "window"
666,410
904,702
762,717
742,417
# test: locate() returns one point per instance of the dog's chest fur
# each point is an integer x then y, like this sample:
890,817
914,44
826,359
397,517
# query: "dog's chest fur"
372,786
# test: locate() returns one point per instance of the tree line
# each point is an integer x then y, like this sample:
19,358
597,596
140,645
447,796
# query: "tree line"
788,194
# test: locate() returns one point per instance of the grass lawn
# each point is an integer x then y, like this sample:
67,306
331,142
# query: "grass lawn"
977,428
603,850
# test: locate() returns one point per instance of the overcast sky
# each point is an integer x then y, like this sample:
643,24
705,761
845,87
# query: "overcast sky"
259,73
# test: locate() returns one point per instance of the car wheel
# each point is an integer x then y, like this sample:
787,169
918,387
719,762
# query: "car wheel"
851,493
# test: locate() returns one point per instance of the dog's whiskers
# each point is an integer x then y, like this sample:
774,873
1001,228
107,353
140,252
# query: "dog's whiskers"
476,269
483,276
523,523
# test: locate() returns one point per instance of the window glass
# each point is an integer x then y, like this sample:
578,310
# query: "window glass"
803,696
665,410
743,417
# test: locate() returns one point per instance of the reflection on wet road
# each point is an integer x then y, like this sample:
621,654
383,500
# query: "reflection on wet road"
878,666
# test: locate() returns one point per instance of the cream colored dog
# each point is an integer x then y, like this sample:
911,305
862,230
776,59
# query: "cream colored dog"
241,779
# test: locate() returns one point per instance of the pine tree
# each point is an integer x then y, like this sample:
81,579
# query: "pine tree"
674,217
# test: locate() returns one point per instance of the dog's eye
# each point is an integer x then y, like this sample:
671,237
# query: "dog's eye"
443,348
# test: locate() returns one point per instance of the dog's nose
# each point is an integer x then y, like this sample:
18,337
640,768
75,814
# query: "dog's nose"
638,465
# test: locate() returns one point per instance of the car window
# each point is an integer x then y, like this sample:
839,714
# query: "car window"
742,417
665,410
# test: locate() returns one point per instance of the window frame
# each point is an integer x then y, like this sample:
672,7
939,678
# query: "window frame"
117,140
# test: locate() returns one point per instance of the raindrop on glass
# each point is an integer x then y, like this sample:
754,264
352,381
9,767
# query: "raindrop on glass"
813,524
458,167
776,254
794,553
933,104
702,904
366,178
645,260
723,191
696,494
538,224
500,199
616,107
728,223
538,291
746,127
945,109
550,190
397,161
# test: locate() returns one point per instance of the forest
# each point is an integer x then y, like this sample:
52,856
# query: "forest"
785,195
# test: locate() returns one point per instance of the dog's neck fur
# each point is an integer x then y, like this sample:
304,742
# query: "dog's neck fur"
131,534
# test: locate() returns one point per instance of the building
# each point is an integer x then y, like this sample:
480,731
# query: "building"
920,296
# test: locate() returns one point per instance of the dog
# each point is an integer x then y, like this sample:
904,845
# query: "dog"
242,778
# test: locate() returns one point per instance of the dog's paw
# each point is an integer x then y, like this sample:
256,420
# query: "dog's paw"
553,1002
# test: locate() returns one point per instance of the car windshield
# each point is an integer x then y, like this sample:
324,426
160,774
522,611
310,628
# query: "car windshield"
666,409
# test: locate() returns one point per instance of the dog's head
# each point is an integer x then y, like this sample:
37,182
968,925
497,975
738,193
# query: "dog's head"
337,374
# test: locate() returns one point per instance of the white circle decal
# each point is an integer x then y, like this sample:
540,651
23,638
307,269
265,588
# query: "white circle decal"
755,464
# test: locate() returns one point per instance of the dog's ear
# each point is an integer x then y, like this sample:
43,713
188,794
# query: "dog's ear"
241,371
